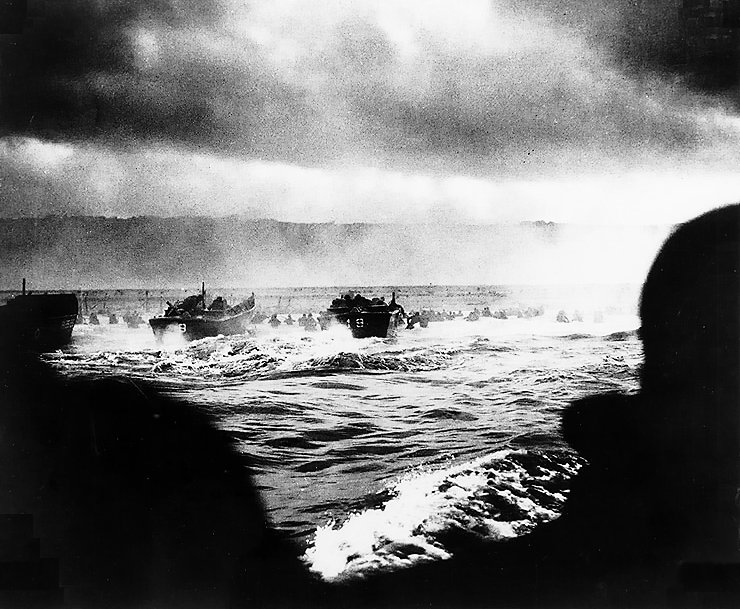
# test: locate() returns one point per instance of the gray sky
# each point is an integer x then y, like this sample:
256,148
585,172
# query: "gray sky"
335,110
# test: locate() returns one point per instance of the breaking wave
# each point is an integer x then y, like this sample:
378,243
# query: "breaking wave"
245,357
499,496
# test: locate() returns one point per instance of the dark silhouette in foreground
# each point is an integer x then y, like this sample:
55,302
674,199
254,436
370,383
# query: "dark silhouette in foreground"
144,504
652,519
136,500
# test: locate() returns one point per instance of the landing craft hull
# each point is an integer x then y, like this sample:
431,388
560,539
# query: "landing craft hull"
202,326
39,321
366,324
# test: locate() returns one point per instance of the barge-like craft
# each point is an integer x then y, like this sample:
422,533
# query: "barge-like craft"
366,317
39,321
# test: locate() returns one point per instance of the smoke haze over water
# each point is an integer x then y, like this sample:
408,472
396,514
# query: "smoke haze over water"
181,252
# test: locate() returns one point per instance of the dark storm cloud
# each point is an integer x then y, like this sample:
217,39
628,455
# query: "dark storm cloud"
172,71
73,71
642,34
503,86
696,40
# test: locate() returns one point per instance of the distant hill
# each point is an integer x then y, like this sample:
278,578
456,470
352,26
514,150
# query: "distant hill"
88,252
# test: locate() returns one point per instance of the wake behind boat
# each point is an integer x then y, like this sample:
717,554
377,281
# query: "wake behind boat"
194,320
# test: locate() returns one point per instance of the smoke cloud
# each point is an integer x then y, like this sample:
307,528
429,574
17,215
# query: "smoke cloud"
231,251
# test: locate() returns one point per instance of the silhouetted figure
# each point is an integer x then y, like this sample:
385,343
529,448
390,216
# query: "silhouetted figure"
93,319
193,304
274,321
360,302
652,519
219,304
138,501
412,320
259,317
324,320
133,319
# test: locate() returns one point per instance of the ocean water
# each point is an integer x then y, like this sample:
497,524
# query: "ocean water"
375,454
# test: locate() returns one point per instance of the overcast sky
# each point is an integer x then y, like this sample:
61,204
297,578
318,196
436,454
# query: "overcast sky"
336,110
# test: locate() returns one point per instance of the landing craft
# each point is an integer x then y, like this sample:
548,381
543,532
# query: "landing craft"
39,321
365,317
191,318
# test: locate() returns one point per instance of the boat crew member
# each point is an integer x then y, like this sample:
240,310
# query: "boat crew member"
218,304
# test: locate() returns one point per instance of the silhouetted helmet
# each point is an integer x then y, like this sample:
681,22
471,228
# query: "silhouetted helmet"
690,304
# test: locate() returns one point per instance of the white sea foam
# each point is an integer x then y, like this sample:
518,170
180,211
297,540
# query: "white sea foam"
425,504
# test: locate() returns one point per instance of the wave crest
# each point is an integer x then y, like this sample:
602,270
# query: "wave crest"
502,495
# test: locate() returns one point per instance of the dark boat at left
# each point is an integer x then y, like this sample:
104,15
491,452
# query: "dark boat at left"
39,321
194,320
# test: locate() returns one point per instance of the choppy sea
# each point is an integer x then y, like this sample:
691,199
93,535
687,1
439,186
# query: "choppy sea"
373,453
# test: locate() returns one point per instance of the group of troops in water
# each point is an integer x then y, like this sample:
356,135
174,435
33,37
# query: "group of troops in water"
421,318
132,319
307,321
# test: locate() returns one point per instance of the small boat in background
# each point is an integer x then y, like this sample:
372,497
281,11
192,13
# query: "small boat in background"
366,317
194,320
39,321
